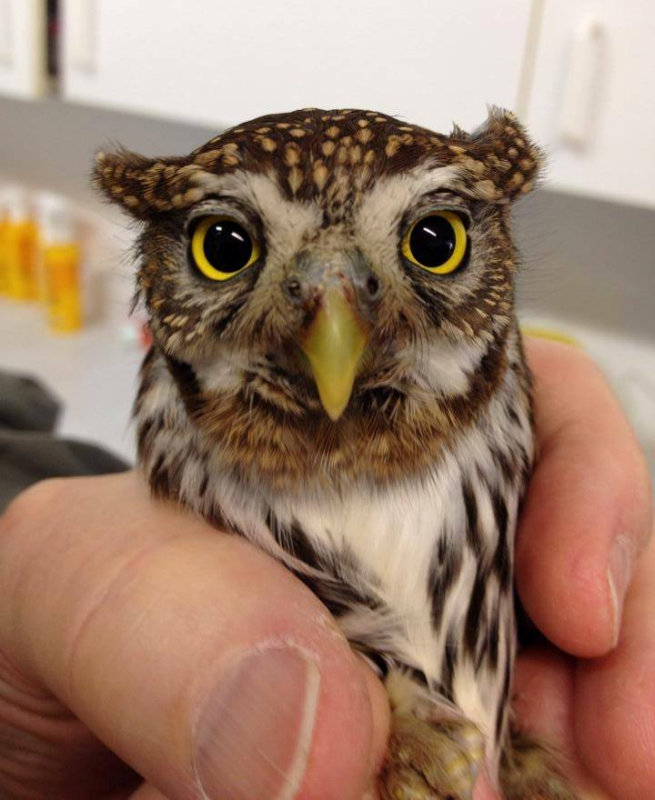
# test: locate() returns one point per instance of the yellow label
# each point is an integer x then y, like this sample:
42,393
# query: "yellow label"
61,265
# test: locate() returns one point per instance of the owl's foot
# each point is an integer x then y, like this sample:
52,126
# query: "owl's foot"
431,760
531,771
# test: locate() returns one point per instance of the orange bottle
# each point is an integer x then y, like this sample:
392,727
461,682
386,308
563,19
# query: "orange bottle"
20,247
60,259
4,223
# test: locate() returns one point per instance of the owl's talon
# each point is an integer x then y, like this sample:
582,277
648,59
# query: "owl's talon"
431,760
531,771
406,784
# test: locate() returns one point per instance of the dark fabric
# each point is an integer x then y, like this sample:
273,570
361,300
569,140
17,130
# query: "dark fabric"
25,404
29,452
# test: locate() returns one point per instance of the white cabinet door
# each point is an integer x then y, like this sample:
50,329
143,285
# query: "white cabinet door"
22,48
219,62
593,97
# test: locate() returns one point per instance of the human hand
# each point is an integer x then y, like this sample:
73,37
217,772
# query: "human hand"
585,574
194,657
132,615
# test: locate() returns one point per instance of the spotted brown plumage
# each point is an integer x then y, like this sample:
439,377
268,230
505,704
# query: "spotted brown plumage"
311,150
362,418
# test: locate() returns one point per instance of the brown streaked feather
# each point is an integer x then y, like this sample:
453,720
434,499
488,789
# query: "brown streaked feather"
285,439
495,163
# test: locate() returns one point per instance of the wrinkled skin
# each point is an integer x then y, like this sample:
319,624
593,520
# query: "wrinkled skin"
127,614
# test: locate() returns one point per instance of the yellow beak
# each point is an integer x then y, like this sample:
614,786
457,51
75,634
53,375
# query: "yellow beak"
334,344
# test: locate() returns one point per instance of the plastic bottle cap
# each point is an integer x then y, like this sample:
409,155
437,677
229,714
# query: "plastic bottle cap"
14,202
55,218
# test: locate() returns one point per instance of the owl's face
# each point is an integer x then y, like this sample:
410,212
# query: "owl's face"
330,286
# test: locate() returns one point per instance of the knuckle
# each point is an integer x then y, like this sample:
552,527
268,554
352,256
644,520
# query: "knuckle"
568,359
579,362
31,503
29,518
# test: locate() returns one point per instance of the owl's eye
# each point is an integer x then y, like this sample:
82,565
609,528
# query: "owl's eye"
436,242
221,247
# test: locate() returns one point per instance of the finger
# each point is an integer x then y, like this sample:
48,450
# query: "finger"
543,696
45,750
200,661
587,511
147,792
615,697
544,704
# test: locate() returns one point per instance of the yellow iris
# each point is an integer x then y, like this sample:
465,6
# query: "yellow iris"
436,242
222,248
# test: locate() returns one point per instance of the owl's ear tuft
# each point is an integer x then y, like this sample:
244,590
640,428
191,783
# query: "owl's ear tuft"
119,175
144,187
512,161
459,133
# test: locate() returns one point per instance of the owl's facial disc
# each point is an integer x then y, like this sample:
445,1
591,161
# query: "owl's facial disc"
333,344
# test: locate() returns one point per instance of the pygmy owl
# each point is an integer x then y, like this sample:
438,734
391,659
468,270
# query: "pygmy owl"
337,375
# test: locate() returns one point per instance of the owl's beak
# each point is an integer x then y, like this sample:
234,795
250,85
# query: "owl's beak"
333,344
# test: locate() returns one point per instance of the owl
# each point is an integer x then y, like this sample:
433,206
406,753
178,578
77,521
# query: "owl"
338,376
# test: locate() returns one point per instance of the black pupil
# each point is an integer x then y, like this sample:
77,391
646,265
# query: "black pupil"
227,246
432,241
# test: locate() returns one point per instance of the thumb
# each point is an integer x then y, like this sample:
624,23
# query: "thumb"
198,660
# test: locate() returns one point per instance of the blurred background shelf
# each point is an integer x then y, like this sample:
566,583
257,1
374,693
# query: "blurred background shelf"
92,373
23,48
590,102
579,72
217,63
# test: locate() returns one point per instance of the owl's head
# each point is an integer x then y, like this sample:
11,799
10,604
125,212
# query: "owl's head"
330,288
